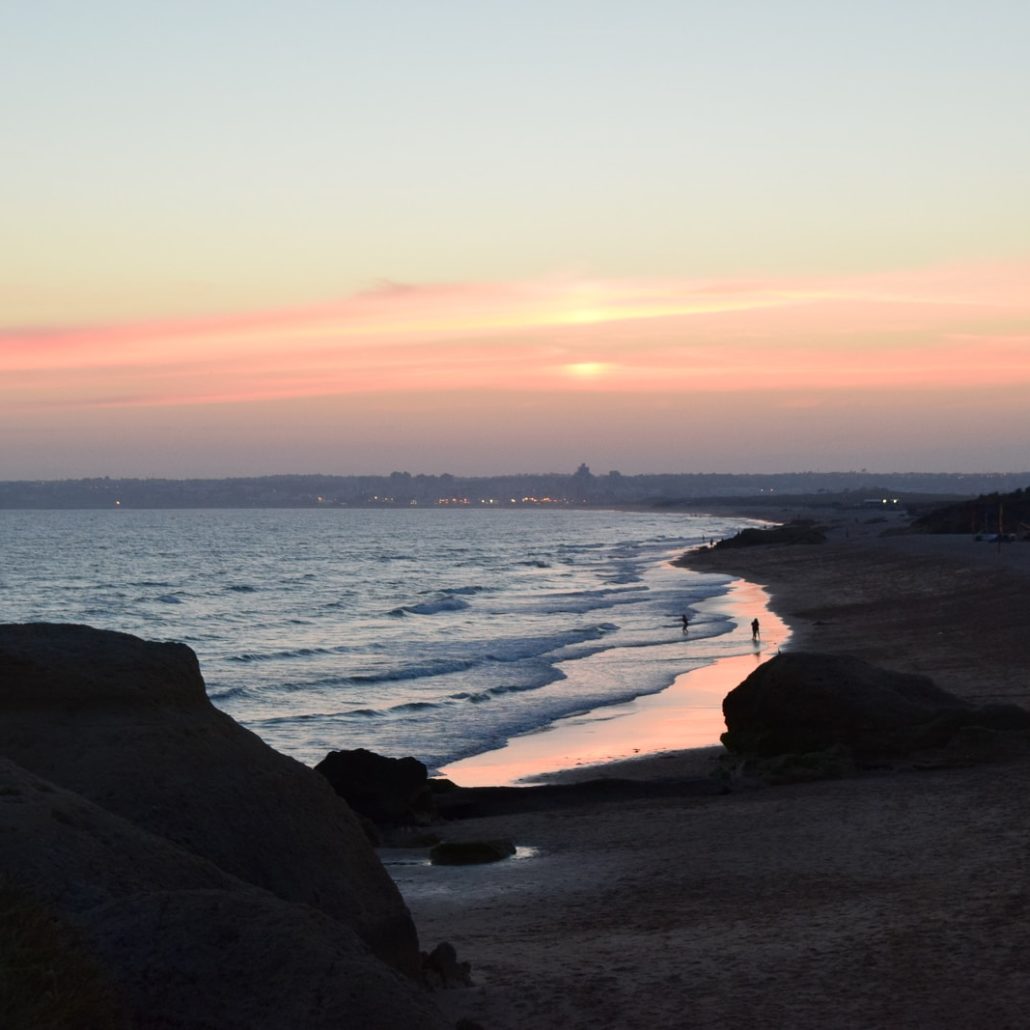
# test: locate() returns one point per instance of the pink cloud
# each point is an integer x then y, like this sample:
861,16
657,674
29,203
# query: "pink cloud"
923,329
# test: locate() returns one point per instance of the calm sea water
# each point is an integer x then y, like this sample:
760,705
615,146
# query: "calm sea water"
435,633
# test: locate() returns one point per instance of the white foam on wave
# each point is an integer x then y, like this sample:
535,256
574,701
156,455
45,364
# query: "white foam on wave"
435,607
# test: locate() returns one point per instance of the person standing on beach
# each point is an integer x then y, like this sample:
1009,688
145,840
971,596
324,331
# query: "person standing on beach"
754,629
686,623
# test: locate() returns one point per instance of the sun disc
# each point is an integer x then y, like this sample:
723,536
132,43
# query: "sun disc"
586,369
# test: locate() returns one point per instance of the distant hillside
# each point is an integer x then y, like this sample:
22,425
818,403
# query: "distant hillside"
579,488
987,514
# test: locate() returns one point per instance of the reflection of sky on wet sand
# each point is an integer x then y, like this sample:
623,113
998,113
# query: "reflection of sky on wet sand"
687,714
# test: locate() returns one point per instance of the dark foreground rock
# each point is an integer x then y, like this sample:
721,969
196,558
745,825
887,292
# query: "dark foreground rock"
802,703
140,932
127,723
187,850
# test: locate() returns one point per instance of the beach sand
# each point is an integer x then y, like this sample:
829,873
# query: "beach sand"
898,898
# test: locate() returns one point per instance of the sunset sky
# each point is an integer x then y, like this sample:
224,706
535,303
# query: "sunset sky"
484,237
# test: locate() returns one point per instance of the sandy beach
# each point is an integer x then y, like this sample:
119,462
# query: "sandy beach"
896,898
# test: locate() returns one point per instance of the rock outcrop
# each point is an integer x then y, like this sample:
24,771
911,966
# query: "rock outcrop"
799,703
189,833
389,791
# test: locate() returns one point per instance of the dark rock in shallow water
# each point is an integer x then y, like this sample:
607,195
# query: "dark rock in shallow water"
470,852
127,724
798,703
386,790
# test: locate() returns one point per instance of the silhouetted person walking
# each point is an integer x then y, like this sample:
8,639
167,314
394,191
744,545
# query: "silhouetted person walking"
686,623
754,629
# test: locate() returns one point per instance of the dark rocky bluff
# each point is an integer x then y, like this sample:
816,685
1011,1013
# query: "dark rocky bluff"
800,531
800,702
185,850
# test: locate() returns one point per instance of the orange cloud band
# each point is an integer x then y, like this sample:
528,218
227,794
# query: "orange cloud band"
929,329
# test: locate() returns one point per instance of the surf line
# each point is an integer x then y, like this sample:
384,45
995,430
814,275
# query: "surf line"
686,714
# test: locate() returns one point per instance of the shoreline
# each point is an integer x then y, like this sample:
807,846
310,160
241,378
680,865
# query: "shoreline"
894,898
946,606
685,715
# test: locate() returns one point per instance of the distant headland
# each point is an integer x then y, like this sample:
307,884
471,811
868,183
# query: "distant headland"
581,488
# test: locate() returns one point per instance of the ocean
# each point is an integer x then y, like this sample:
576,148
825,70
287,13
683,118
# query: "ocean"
437,633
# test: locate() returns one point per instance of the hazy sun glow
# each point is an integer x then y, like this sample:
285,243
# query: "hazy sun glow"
803,347
587,369
365,237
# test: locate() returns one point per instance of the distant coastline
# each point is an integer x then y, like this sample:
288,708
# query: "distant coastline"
581,488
